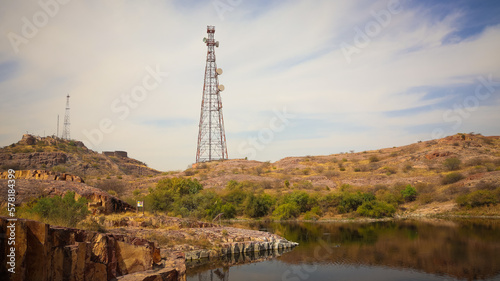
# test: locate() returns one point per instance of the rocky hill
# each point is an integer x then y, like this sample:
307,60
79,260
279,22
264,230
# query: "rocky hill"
68,156
425,165
440,169
479,158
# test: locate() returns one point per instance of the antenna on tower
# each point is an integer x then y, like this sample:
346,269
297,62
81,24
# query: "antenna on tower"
57,130
211,136
66,131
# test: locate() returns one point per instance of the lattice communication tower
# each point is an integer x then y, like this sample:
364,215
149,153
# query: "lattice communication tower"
211,136
66,130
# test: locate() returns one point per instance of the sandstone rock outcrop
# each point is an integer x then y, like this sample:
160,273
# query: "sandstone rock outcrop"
437,154
45,252
42,175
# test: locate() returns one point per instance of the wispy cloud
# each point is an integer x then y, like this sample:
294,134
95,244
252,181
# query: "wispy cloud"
274,54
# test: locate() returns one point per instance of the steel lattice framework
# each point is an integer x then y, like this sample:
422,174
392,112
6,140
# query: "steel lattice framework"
211,136
66,130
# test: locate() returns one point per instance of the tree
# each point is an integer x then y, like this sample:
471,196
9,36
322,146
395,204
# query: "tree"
409,193
258,205
300,198
286,211
169,190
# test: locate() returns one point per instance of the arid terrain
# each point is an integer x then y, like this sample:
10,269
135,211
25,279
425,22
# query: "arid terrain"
423,165
455,176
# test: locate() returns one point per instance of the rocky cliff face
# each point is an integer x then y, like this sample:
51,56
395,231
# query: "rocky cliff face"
42,175
44,252
28,189
35,159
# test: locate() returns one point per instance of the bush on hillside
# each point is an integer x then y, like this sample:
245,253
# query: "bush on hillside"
409,193
65,211
376,209
286,211
350,201
258,205
477,198
452,163
452,178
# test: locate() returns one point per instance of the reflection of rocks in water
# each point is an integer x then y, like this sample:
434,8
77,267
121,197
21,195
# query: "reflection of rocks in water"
462,249
218,268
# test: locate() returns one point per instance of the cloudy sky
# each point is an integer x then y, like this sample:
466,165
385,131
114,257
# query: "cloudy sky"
301,77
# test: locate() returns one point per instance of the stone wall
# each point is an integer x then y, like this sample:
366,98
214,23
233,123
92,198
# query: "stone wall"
45,252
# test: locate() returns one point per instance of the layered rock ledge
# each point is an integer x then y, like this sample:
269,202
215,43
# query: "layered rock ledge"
45,252
212,241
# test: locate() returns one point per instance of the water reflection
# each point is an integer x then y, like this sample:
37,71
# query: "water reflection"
395,250
218,269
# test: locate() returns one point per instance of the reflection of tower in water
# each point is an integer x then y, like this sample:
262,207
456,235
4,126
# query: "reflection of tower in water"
220,275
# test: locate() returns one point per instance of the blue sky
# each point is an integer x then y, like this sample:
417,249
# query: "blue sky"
301,77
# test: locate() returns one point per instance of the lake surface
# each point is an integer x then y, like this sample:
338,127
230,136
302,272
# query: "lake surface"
393,250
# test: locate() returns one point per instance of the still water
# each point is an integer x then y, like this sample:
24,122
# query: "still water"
394,250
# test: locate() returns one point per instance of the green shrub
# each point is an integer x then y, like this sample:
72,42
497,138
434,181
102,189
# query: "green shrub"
452,163
477,198
286,211
258,205
167,191
65,211
373,159
350,201
300,198
313,214
229,211
180,186
390,196
409,193
287,184
452,178
376,209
